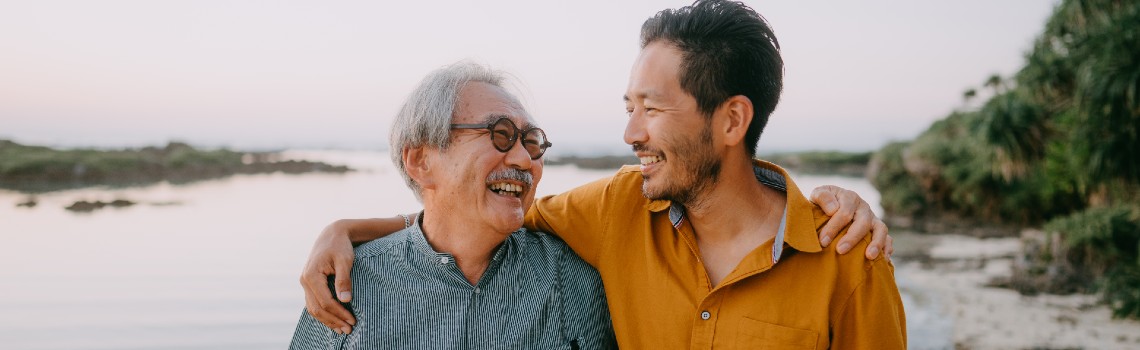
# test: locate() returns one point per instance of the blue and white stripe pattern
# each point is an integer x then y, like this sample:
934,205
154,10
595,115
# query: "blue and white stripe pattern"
536,294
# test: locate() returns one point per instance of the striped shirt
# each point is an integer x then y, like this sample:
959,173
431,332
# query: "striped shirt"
535,294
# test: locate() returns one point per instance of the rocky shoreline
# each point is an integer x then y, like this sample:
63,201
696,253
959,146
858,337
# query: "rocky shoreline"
37,169
956,281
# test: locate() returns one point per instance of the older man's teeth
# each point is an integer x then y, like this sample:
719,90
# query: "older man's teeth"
649,160
506,188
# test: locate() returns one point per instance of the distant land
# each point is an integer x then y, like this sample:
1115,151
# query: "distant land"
34,169
809,162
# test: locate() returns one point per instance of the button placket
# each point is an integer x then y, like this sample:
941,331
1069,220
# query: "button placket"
704,327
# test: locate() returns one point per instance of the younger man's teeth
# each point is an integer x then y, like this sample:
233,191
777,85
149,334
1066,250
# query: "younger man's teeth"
649,160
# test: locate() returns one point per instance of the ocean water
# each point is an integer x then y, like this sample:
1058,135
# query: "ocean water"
215,264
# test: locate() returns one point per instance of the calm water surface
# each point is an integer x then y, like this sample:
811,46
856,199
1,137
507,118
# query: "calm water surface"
209,265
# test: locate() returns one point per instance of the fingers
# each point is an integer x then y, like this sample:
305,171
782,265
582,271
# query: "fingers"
842,214
860,227
343,282
890,246
880,239
315,307
824,197
320,303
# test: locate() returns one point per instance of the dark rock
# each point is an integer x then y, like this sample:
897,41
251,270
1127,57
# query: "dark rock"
85,206
119,203
29,203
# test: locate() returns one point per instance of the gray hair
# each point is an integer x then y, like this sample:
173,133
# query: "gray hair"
425,118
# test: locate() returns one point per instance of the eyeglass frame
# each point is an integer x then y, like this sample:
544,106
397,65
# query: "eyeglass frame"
515,136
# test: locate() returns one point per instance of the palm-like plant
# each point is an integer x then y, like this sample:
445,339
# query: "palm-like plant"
968,96
1084,74
995,83
1018,131
1062,136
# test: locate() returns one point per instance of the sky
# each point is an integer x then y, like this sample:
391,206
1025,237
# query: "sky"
332,74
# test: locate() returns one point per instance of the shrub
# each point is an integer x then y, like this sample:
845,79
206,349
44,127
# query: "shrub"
1105,242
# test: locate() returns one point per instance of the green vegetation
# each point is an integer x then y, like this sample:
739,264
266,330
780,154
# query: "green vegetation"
886,171
822,162
1054,146
38,169
1104,243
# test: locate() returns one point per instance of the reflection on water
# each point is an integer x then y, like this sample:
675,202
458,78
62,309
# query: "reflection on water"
217,270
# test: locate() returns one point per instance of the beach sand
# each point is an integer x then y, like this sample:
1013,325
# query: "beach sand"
946,278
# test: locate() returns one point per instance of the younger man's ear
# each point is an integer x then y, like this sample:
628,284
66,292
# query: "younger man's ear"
417,162
737,112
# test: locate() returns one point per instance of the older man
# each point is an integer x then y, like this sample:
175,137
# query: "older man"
464,275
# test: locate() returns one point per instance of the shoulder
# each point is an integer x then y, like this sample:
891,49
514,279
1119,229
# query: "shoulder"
625,179
854,269
628,174
382,245
550,249
625,184
540,244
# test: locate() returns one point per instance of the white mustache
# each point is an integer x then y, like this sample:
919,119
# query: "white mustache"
511,174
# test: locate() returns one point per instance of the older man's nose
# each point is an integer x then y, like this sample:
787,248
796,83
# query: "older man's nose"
517,157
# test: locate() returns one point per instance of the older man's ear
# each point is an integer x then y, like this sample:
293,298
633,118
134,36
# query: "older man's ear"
417,162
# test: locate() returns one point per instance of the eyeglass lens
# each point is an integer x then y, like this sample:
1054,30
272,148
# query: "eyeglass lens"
504,133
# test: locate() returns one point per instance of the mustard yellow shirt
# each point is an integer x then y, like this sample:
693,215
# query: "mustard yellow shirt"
660,296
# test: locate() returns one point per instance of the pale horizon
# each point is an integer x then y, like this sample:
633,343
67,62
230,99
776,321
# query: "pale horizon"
276,75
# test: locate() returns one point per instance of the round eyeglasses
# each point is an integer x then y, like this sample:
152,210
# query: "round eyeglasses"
504,133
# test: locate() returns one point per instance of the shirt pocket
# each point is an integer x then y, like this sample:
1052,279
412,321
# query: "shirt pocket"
761,335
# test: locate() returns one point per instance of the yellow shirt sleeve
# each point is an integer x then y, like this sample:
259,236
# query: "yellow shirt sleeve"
872,318
577,216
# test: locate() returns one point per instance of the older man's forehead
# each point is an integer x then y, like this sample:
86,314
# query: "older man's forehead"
523,121
487,108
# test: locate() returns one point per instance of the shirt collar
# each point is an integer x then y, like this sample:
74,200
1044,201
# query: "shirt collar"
424,253
800,232
797,228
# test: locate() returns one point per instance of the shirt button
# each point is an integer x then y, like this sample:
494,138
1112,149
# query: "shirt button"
705,315
477,290
444,260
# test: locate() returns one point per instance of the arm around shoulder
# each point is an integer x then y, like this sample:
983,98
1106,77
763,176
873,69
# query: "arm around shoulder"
364,230
332,255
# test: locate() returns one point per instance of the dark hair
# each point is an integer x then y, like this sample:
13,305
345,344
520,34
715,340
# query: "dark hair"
728,49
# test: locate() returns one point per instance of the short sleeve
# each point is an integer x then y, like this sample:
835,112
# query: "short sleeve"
577,216
872,317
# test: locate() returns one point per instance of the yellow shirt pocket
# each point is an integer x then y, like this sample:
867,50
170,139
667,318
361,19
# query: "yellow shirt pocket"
761,335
